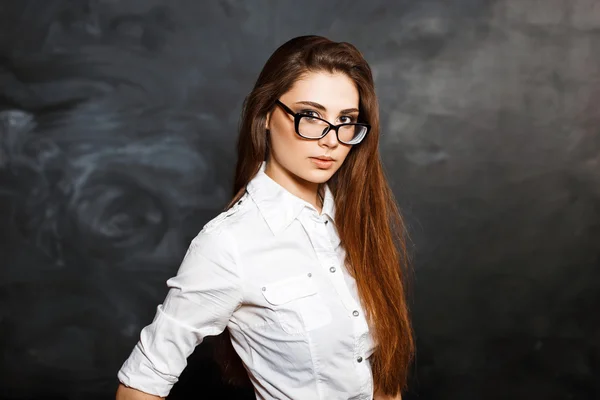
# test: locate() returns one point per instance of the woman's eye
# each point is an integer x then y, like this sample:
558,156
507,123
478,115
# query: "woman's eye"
309,113
347,119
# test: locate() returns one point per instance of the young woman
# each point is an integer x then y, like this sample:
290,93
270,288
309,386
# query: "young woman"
305,270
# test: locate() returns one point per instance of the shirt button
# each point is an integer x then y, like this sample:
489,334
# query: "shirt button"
326,222
355,313
332,269
263,288
359,359
309,274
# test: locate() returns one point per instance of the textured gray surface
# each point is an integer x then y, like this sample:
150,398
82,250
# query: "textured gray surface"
117,130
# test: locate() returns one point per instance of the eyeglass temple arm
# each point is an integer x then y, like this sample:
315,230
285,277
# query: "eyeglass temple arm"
286,108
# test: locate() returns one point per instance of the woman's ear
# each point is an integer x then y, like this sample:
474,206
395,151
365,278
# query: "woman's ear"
267,119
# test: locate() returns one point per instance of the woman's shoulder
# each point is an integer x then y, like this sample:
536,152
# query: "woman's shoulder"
238,215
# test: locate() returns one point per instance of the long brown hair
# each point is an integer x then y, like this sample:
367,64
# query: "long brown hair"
368,221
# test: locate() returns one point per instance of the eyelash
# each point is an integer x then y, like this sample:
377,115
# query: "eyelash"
307,112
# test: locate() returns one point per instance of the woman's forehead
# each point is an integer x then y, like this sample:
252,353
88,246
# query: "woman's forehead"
333,90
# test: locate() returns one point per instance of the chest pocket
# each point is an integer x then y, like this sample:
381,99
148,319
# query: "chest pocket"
298,305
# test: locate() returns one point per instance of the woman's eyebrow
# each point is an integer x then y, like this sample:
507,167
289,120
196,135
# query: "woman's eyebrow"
322,108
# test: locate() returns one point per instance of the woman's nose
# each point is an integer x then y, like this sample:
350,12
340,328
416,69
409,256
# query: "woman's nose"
330,139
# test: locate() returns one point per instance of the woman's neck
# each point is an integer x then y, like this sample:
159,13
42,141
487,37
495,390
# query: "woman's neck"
307,191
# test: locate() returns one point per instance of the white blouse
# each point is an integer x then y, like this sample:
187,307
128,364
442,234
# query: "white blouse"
271,270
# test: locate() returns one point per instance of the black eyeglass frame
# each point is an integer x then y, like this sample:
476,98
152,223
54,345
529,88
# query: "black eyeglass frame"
298,116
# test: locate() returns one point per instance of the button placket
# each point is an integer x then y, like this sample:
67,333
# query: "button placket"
328,257
339,283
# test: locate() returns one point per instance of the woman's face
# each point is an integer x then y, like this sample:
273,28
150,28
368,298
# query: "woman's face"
333,97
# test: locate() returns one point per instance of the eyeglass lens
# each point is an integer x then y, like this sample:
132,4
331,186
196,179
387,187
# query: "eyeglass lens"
314,128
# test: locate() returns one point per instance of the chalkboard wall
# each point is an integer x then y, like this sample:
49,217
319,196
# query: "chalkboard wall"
118,122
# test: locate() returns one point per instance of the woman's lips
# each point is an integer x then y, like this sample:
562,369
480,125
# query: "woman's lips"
321,163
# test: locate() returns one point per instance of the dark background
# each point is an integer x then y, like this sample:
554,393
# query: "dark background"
118,122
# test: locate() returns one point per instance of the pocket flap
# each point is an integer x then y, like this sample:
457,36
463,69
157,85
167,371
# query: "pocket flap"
288,289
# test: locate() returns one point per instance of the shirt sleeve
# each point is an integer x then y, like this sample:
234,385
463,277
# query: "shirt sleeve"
201,299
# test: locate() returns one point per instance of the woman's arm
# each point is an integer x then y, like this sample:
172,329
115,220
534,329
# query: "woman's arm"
127,393
201,299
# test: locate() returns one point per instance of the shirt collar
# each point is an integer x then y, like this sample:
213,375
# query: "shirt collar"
278,206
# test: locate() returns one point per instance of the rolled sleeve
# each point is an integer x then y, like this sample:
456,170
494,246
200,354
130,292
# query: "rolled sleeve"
201,299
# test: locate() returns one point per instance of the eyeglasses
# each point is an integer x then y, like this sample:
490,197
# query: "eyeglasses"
310,127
